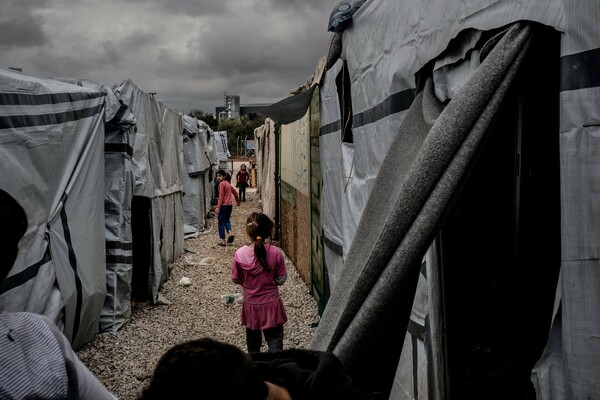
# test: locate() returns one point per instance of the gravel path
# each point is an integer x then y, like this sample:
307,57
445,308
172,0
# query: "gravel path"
124,362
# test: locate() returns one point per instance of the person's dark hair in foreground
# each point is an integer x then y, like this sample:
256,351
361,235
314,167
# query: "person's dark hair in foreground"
225,371
209,369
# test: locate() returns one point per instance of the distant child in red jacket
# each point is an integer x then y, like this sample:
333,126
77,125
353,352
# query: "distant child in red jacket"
260,268
242,178
225,206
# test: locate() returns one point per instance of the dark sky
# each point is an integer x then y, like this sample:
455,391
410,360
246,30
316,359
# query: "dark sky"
187,51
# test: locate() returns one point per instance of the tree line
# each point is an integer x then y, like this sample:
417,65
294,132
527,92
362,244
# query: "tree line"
237,128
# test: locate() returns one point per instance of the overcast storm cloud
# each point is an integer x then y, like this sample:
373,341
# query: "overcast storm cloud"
187,51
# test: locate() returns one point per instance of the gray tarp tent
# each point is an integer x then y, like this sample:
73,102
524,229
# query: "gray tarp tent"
430,156
264,139
388,212
219,152
195,177
157,215
222,149
52,158
119,126
119,182
207,143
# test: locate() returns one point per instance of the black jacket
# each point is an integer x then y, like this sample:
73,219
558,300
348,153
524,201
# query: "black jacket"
310,374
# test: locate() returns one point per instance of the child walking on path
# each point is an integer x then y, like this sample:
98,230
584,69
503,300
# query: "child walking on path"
242,178
224,207
260,268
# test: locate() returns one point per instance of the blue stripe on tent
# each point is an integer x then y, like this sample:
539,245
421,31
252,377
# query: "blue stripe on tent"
73,262
120,113
415,360
580,71
416,329
395,103
20,99
118,148
23,121
330,128
333,246
119,245
27,274
111,259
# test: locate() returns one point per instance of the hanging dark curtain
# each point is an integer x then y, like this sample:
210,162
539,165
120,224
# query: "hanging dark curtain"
290,109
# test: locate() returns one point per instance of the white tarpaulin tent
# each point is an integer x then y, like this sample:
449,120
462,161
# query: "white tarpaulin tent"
385,188
222,149
264,139
207,143
77,151
157,205
119,138
52,162
120,126
196,202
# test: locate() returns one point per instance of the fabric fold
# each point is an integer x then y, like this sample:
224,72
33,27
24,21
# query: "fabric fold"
373,298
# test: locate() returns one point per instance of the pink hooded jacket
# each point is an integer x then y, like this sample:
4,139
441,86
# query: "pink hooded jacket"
262,307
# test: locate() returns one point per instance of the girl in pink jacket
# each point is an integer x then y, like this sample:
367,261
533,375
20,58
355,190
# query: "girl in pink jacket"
260,268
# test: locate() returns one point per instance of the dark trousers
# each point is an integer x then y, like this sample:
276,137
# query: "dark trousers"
223,218
273,337
242,189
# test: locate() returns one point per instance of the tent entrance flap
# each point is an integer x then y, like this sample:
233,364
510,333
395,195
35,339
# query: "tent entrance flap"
500,246
143,253
382,267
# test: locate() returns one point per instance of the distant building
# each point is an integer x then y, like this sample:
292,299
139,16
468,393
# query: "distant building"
232,107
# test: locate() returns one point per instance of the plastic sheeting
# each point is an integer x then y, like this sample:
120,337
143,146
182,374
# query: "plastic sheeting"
119,183
382,70
374,294
289,109
264,139
52,158
331,198
570,366
222,149
195,177
207,140
158,166
294,153
387,44
454,68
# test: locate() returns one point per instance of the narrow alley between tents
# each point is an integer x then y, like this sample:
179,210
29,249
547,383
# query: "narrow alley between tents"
124,361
